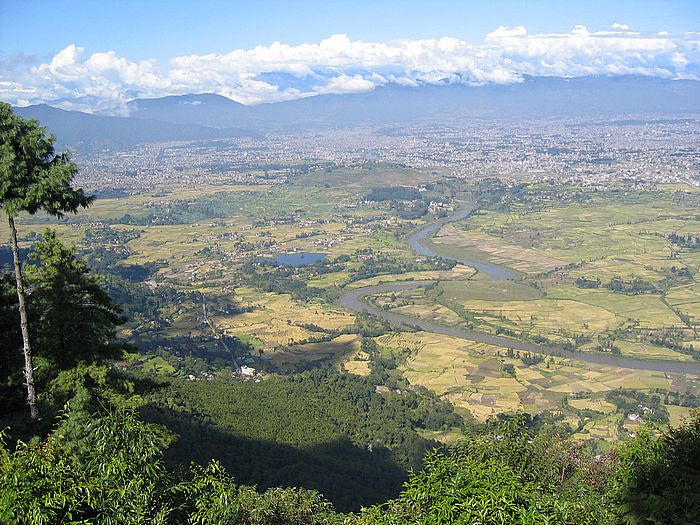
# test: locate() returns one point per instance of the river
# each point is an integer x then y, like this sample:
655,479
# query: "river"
495,272
353,300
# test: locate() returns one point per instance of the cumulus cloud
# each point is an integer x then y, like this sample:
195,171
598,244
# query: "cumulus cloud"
348,84
104,81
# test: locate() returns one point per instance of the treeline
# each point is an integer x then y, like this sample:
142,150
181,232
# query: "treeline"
268,276
527,358
106,247
406,202
690,241
583,282
636,402
101,467
374,264
180,211
673,340
504,195
409,210
634,286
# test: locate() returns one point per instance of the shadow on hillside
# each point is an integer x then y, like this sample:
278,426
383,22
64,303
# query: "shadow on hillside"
349,476
6,260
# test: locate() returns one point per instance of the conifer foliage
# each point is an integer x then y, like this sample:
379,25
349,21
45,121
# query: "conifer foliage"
74,316
32,178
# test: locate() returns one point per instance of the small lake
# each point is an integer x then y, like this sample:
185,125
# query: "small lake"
299,259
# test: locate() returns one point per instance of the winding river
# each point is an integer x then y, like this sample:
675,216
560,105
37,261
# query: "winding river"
354,301
495,272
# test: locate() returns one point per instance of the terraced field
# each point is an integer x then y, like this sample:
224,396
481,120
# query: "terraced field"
471,375
558,250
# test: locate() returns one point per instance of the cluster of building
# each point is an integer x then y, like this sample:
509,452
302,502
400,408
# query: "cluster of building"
658,149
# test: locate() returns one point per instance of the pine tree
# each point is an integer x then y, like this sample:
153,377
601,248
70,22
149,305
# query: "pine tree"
75,318
32,178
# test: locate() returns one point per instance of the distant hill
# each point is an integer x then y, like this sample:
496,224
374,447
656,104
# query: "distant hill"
82,131
209,116
206,110
391,104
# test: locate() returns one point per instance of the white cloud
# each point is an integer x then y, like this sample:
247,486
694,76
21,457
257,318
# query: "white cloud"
104,81
347,84
507,32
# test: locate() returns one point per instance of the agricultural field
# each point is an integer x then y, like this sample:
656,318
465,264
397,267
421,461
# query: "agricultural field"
606,272
478,380
185,242
599,272
279,320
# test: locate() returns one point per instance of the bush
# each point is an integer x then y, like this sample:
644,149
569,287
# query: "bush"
659,479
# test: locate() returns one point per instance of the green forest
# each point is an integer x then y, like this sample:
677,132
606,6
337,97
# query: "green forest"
88,436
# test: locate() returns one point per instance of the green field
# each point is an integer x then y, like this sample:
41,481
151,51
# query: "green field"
557,245
194,241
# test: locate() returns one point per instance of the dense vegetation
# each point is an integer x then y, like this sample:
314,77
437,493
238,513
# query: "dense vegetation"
33,178
93,468
74,324
407,203
269,277
690,241
322,429
632,286
374,264
146,446
635,402
110,469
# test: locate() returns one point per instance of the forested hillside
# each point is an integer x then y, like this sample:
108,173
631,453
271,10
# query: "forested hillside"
93,467
323,430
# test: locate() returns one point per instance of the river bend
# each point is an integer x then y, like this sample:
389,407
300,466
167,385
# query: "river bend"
354,301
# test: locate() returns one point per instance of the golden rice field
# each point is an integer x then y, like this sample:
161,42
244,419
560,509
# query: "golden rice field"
276,319
471,376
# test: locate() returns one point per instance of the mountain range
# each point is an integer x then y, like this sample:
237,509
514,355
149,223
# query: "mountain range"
209,116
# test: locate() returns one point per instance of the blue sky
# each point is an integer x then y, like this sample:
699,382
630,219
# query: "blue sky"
162,29
97,54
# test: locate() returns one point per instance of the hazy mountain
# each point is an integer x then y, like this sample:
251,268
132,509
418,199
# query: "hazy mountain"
80,131
208,116
87,104
533,98
205,109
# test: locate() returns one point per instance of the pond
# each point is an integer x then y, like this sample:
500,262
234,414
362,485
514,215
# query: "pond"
299,258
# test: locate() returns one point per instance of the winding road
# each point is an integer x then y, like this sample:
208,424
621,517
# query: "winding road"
219,337
354,301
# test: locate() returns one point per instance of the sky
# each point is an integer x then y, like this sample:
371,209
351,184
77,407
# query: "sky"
95,55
